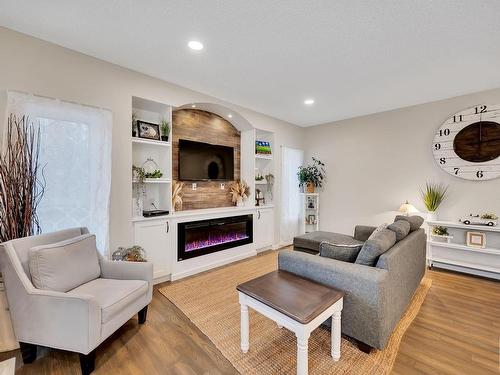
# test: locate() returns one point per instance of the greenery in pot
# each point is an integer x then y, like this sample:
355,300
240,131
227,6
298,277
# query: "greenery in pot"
312,174
433,195
164,129
440,231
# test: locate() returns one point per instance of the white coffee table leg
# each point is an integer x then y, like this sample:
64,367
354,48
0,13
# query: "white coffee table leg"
336,335
302,354
245,329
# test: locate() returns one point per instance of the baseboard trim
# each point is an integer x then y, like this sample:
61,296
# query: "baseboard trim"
206,267
282,244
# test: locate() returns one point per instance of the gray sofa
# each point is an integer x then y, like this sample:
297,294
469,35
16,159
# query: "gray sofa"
376,296
70,310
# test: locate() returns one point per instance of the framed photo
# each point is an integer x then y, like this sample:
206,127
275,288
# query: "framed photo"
311,219
476,239
311,203
148,130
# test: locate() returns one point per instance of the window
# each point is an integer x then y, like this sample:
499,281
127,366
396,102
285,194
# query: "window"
75,150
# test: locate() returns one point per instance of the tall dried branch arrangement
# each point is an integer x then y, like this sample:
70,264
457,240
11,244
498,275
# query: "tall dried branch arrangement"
20,187
239,191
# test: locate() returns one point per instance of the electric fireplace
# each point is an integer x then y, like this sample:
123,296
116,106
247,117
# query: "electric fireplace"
196,238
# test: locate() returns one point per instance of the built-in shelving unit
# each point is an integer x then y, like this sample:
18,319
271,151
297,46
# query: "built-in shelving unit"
454,253
155,193
264,165
310,212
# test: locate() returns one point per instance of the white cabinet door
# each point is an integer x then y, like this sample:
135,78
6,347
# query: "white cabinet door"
264,228
155,238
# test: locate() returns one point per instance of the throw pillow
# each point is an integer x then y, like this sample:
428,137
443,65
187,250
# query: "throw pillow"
342,252
64,265
375,247
379,228
401,228
415,221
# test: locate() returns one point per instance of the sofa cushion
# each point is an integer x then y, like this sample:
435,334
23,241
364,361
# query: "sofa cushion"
415,221
378,229
113,295
401,228
376,246
313,240
64,265
343,252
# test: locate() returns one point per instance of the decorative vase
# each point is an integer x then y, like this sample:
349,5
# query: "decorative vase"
310,187
239,203
431,216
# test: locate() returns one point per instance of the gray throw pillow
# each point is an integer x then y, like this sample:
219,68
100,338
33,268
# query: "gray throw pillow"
342,252
378,229
64,265
375,247
401,228
415,221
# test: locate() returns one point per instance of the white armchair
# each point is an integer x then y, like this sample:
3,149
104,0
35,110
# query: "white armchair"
79,319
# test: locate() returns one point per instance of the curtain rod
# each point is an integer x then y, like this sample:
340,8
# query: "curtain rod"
59,100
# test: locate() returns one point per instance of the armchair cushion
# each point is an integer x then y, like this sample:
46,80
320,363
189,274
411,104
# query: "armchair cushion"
415,221
376,246
112,295
64,265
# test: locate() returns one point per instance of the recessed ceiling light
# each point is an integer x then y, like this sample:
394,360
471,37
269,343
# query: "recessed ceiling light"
195,45
230,115
309,101
193,105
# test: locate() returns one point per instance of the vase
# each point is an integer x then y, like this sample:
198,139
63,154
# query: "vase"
239,203
431,216
310,187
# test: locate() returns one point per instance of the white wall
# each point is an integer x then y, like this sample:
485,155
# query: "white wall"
376,162
34,66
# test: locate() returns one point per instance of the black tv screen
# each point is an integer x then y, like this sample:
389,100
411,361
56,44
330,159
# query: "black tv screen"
203,161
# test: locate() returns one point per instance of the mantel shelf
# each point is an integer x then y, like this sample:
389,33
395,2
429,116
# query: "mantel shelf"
151,142
154,181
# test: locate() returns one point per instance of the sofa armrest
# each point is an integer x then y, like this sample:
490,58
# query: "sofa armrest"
127,270
362,232
57,320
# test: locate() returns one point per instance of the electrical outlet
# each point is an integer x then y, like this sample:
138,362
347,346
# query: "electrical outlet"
222,186
193,186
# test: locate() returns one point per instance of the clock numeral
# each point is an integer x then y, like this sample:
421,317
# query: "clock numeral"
481,109
455,170
444,132
458,118
442,161
437,146
479,174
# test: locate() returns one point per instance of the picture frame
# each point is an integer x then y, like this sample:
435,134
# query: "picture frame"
311,203
311,219
148,130
476,239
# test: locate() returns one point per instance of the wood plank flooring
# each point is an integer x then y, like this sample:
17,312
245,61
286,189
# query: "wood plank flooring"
457,331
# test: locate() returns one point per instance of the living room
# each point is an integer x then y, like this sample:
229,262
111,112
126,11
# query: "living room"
254,188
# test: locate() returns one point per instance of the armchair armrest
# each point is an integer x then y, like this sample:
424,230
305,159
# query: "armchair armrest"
362,232
57,320
127,270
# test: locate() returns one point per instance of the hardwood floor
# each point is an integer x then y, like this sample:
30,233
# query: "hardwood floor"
457,331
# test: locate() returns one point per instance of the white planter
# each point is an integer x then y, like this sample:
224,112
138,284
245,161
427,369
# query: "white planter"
431,216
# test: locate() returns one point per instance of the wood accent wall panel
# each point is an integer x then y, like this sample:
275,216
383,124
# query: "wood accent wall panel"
202,126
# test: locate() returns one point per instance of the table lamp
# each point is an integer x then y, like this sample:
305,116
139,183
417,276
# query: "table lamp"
407,209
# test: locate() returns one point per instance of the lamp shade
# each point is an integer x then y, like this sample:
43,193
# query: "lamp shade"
407,208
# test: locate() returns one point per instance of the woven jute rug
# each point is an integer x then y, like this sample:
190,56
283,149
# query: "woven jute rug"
210,301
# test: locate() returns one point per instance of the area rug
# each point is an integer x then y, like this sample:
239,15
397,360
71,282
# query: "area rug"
210,301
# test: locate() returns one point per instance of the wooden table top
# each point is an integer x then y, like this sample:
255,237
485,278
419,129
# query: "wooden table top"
300,299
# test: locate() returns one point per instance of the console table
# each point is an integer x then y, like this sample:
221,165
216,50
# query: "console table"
454,254
297,304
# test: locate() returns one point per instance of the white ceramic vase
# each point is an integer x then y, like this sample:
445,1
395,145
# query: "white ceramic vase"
431,216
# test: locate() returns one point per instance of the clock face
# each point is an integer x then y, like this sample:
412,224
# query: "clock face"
467,145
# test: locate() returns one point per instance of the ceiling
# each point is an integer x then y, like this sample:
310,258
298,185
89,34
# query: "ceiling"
353,57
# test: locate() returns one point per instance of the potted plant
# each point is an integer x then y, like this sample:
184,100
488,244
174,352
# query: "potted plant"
312,175
164,129
433,195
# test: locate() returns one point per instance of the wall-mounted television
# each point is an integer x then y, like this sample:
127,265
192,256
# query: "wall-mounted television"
200,161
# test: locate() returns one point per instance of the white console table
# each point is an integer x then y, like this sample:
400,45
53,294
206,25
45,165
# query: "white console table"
457,256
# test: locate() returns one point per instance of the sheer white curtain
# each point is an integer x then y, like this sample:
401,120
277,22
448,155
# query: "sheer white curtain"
291,208
75,150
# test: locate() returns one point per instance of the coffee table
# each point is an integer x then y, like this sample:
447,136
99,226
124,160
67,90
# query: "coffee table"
298,304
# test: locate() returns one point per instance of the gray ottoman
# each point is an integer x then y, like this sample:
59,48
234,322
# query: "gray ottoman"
309,242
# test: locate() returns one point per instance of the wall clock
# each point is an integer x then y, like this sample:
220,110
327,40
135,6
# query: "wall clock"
467,145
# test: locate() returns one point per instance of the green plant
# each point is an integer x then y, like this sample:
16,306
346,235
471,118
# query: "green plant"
489,217
139,174
155,174
164,127
433,195
312,174
440,231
